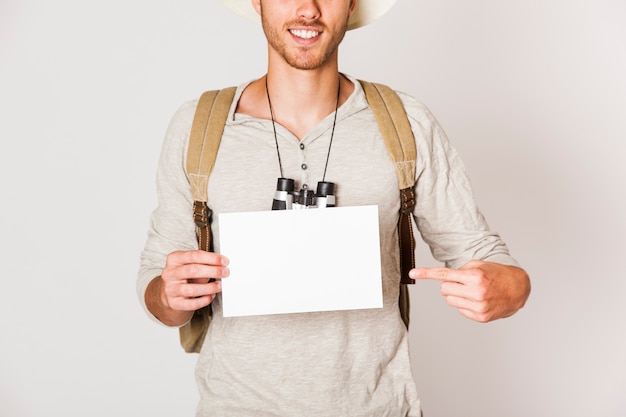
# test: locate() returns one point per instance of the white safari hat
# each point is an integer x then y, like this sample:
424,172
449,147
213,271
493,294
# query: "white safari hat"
366,11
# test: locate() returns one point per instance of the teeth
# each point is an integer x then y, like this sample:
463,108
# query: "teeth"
305,34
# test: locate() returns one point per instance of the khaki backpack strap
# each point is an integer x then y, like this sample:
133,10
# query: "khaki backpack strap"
204,141
396,130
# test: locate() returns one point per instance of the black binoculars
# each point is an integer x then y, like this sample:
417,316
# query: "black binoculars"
286,198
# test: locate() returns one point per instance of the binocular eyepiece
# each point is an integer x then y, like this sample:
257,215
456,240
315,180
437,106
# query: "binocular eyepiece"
286,198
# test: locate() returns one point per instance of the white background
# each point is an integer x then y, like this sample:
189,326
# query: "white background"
532,93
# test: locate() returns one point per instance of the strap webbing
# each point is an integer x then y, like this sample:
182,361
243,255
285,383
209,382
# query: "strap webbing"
396,130
204,141
395,127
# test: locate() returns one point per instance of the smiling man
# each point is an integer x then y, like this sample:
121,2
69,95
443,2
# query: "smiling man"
306,120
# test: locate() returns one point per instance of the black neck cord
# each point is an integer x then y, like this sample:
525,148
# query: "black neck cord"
332,134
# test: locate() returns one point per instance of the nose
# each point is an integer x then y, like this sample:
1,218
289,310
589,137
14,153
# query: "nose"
308,9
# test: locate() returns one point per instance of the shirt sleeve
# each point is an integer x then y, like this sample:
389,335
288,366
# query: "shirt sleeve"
446,213
171,225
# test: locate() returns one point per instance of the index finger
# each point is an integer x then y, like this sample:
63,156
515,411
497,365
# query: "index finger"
197,257
440,274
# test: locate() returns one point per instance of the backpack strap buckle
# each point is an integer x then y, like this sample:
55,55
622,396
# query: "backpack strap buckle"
202,214
407,200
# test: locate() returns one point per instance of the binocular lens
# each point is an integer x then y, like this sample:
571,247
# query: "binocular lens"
325,188
283,197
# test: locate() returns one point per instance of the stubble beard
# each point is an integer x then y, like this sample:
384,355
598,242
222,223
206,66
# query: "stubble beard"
302,58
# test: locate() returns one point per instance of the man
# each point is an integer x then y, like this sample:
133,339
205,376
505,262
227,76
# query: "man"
338,363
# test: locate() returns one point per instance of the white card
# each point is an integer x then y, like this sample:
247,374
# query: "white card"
291,261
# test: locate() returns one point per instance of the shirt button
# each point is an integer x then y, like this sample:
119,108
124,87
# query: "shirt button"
303,166
302,146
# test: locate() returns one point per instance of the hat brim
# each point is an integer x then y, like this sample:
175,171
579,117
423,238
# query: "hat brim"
366,11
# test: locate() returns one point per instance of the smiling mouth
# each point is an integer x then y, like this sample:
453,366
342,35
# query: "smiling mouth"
304,34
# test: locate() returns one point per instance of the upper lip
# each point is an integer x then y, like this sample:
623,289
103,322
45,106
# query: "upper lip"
306,25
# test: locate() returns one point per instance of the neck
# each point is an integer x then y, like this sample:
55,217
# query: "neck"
302,124
300,98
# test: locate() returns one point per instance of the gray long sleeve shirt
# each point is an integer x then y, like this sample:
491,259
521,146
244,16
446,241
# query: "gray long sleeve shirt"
338,363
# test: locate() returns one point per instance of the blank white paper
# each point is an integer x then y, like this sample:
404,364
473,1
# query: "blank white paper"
292,261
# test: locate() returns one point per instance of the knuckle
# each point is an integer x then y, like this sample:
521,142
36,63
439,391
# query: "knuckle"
186,291
195,256
481,293
169,290
165,274
193,271
484,313
172,257
481,318
476,278
441,274
483,309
